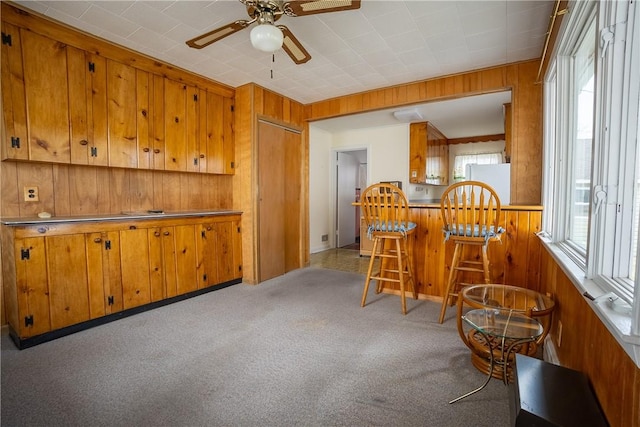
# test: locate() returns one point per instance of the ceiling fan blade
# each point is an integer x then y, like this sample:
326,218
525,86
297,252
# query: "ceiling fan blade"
293,47
217,34
310,7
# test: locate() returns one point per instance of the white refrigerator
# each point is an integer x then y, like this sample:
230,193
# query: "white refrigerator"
497,176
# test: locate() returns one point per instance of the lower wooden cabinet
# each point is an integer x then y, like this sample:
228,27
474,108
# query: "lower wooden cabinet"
62,277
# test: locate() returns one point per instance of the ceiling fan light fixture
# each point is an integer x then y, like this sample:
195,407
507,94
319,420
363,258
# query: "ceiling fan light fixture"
267,37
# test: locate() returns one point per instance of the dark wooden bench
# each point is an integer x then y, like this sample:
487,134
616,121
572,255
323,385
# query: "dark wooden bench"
543,394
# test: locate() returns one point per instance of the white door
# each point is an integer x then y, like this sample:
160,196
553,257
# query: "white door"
346,179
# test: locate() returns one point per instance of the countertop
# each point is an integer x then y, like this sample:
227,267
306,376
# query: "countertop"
114,217
435,203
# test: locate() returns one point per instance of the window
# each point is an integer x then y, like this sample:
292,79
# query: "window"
462,160
592,158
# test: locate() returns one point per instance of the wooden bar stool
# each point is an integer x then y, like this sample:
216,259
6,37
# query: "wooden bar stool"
386,214
471,214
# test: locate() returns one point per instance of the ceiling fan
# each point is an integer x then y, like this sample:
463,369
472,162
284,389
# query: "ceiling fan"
267,36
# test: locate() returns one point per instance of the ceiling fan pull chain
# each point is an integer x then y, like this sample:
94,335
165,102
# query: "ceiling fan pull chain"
273,59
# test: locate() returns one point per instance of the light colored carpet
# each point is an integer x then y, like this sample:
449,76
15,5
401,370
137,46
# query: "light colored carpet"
296,350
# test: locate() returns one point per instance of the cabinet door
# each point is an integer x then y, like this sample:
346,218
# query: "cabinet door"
220,146
157,268
175,112
228,263
144,120
87,107
207,256
46,88
437,156
215,134
121,95
14,107
104,274
170,275
417,153
135,262
193,123
185,250
67,271
33,290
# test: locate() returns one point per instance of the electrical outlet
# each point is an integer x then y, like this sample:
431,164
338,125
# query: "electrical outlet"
325,237
31,194
419,188
559,335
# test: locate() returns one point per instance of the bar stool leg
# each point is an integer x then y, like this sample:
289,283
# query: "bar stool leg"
453,274
371,262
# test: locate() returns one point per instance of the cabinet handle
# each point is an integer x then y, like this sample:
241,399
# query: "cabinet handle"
145,149
157,150
83,142
157,234
97,240
208,228
202,156
42,230
166,233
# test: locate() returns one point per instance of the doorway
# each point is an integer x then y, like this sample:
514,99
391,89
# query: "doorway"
350,180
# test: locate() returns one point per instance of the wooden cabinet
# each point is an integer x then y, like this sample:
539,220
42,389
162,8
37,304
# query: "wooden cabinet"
87,107
104,274
220,148
198,130
66,104
429,155
60,275
37,99
121,114
14,108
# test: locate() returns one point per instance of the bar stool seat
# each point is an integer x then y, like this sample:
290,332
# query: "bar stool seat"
386,215
471,214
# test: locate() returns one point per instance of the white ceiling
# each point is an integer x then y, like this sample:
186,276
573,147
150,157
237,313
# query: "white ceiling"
383,43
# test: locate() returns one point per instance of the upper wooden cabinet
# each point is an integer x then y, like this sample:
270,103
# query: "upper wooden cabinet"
36,99
429,155
64,102
87,107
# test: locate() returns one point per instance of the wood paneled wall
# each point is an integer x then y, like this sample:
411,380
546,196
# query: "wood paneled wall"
515,260
526,94
253,103
85,190
589,347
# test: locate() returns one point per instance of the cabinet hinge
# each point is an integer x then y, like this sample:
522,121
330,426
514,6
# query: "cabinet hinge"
195,161
94,151
107,244
6,39
233,108
15,142
233,165
24,254
203,234
238,229
195,97
239,268
110,300
204,278
92,67
28,320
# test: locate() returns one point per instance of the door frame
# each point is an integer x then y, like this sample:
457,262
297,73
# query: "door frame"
333,195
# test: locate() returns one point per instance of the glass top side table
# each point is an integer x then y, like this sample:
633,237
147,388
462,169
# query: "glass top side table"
502,330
